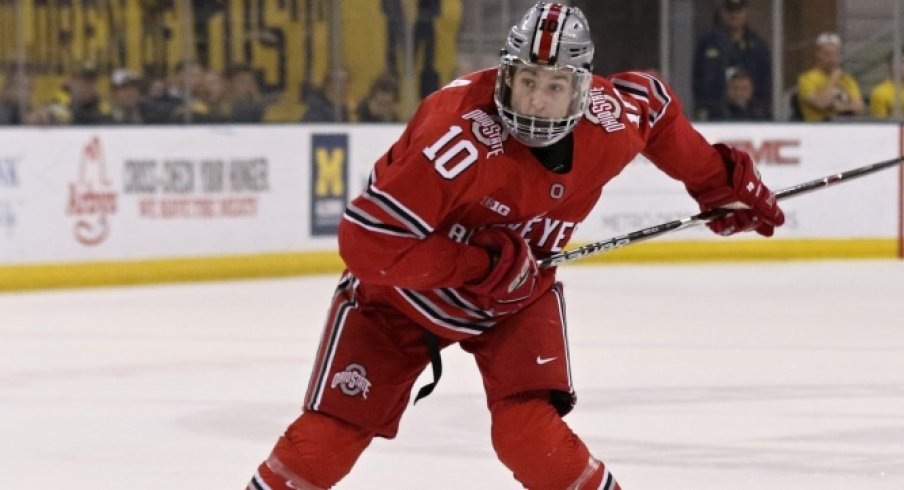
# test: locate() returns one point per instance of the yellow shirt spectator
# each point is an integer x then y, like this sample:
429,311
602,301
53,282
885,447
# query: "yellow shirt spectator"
882,99
816,80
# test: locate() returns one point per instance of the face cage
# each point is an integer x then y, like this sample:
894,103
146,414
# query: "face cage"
536,131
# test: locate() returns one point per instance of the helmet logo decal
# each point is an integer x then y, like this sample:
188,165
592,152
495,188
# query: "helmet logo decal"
545,46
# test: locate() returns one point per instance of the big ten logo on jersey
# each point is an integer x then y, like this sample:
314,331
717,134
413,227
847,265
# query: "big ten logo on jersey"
769,151
606,110
91,195
495,206
487,130
329,182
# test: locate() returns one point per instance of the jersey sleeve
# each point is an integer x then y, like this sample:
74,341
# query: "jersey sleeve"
672,144
388,234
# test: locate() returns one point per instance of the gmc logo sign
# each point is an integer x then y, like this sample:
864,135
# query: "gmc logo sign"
769,151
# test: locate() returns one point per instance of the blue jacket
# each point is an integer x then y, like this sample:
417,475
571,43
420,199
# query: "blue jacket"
716,53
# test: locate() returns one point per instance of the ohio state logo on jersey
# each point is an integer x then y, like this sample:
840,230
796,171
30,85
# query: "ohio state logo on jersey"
604,109
487,130
353,381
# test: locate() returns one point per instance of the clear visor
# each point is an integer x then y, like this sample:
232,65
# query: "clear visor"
540,104
542,92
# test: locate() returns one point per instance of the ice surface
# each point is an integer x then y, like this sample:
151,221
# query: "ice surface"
689,377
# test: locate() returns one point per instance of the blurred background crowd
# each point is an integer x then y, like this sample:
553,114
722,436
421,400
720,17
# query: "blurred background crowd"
77,62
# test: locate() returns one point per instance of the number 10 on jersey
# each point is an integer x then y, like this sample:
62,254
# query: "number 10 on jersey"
441,156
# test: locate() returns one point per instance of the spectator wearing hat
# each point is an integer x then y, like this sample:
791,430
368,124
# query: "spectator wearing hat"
825,91
882,97
125,100
730,46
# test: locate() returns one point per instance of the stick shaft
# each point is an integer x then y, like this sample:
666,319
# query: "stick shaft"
680,224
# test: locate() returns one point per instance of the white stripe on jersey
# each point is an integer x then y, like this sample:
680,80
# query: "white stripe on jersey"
608,482
398,211
258,483
654,90
625,102
592,465
636,90
452,298
431,312
361,218
659,91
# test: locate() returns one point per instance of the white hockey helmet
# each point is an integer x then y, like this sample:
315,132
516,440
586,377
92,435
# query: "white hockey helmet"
551,37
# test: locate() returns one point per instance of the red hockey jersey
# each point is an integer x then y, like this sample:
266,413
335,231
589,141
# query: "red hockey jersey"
455,170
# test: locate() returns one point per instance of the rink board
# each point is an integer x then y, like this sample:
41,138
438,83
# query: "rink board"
94,206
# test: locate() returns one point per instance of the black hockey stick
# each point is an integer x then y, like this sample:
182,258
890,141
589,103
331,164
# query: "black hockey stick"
686,222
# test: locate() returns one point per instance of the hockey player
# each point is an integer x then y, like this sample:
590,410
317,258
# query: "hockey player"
492,172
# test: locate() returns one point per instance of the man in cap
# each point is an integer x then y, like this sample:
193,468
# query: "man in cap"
730,46
125,101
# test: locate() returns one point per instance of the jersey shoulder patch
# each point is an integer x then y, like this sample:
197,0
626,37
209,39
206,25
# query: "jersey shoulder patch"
608,109
651,93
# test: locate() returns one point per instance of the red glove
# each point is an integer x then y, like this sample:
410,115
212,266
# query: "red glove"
513,275
758,208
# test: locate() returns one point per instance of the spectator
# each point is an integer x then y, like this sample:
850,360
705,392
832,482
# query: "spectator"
738,104
247,103
882,97
381,103
328,104
125,100
186,87
13,90
826,91
731,45
158,104
214,95
85,105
